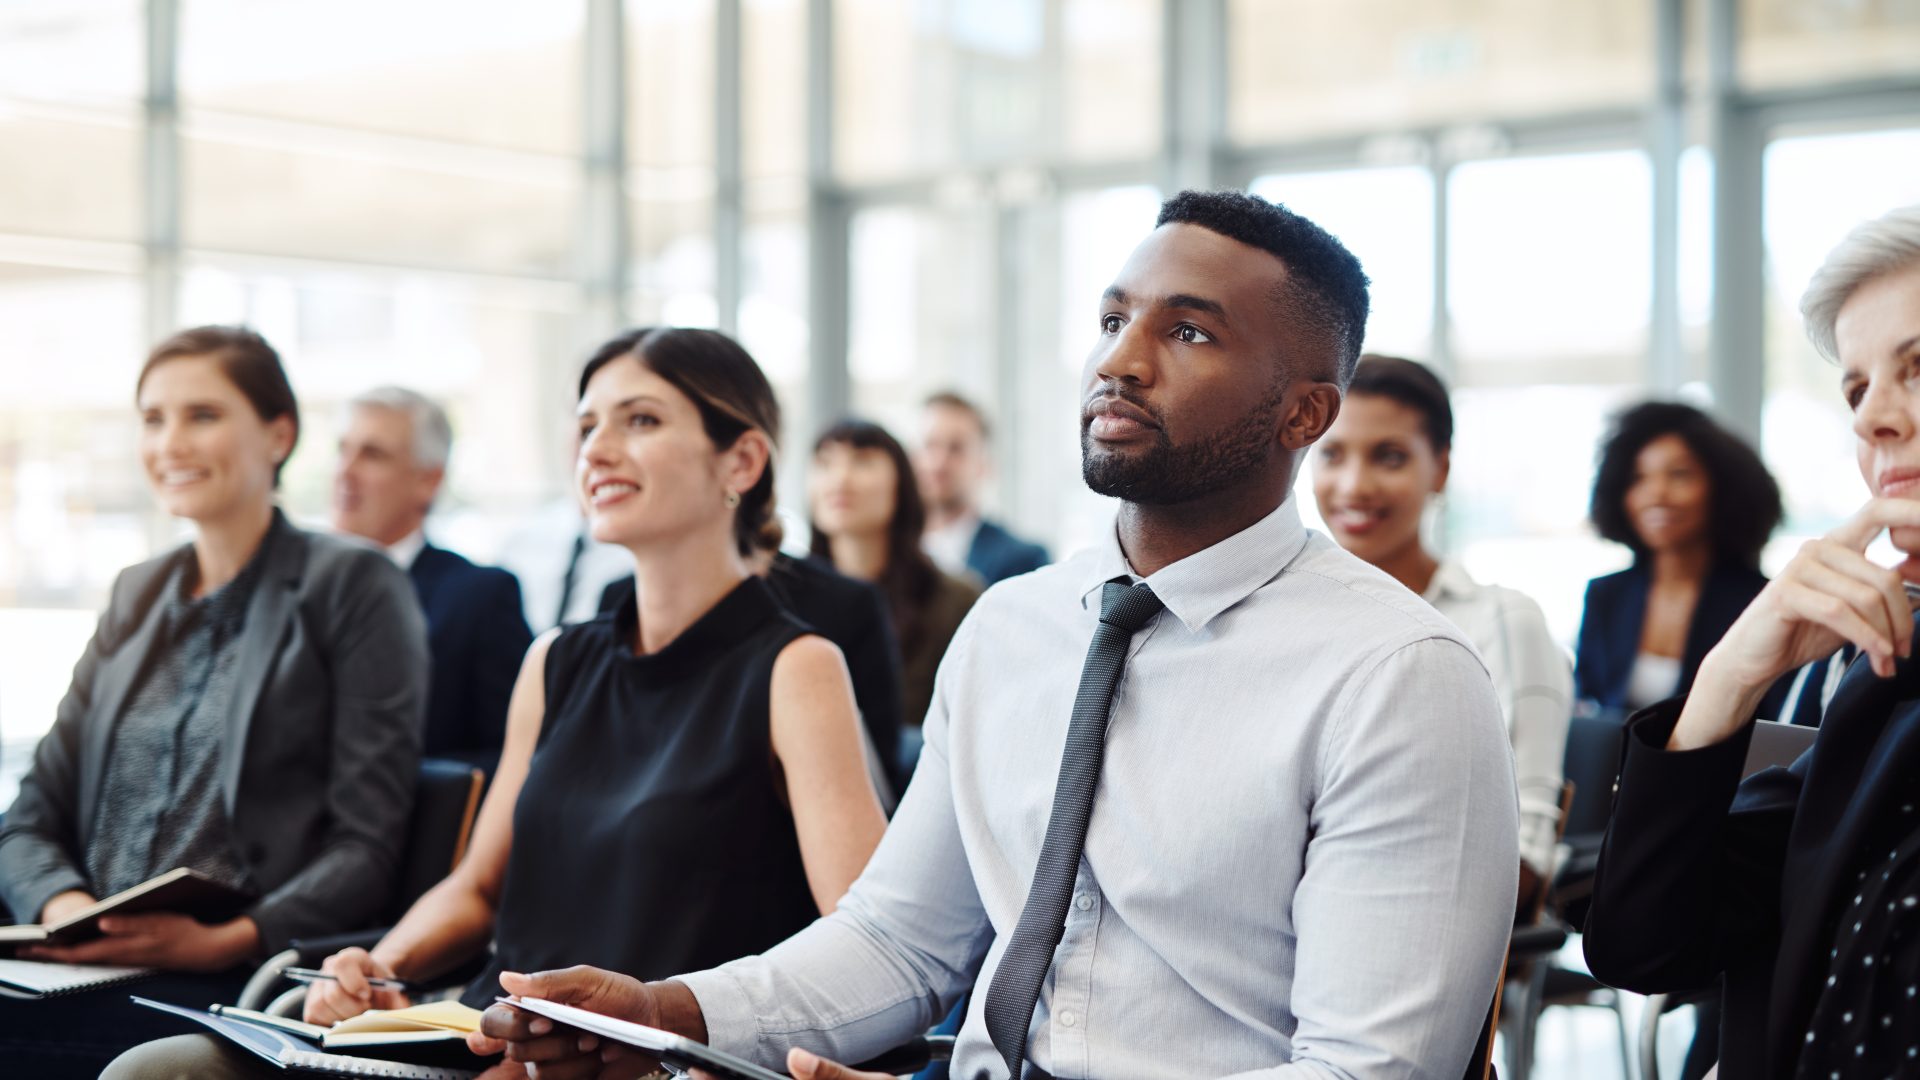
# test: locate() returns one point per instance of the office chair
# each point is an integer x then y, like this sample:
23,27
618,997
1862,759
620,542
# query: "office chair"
446,799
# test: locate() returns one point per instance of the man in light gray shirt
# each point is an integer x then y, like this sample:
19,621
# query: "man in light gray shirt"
1281,839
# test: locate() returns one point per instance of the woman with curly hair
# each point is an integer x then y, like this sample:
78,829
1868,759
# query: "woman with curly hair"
1695,505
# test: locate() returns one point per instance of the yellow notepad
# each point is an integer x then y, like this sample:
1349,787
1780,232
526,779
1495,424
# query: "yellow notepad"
435,1016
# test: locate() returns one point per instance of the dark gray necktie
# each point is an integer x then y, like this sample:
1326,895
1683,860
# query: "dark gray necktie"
1124,610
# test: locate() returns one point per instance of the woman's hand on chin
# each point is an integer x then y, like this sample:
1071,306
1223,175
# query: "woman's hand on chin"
1828,595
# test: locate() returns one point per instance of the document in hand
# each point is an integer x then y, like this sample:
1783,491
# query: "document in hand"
675,1050
185,891
292,1054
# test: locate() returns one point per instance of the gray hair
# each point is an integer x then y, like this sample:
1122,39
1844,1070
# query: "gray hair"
1888,243
432,434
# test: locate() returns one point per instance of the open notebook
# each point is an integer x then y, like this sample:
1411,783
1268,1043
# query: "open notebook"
291,1053
188,892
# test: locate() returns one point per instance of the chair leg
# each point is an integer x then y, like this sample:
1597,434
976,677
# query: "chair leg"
1626,1049
1650,1012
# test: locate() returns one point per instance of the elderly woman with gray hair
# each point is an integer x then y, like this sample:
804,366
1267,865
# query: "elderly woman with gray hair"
1800,887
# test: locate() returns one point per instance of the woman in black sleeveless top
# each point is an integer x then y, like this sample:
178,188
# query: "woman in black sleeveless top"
683,780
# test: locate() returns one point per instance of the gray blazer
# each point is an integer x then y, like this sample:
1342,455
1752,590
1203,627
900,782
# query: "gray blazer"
323,745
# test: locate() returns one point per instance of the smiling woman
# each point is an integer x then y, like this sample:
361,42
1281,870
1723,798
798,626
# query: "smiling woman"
1695,505
154,761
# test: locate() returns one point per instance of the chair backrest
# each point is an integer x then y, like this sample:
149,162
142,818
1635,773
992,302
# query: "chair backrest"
1480,1062
446,798
1592,765
1776,744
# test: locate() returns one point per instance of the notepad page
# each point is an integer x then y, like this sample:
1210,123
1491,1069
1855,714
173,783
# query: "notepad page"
40,977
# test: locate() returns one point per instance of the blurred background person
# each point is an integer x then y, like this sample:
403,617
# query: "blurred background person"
249,708
867,522
1375,473
392,464
1695,505
952,467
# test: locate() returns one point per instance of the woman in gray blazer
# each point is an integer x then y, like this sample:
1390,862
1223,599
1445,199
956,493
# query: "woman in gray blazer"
249,706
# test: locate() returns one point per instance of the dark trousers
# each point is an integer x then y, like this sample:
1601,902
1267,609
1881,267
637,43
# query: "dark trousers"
76,1035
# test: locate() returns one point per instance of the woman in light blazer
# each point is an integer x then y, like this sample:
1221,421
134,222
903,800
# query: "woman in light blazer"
249,707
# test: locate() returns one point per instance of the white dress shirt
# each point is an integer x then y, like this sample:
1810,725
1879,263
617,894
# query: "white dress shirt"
407,549
1301,862
949,545
1534,680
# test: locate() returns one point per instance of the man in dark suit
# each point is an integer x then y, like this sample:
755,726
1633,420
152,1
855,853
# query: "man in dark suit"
393,459
952,466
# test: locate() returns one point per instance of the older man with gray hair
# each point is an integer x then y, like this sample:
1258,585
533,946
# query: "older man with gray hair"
394,448
1705,877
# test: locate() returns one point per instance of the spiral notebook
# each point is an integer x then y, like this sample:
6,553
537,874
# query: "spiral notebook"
40,979
293,1054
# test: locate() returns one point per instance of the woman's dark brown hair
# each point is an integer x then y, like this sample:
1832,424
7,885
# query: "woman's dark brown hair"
247,361
910,577
732,395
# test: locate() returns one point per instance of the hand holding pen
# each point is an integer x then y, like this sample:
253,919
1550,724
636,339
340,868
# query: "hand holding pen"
349,983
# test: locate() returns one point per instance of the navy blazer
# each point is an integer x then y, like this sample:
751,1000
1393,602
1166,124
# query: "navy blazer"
477,634
1616,612
997,554
1703,875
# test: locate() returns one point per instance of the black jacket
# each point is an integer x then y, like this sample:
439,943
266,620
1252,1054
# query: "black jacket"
322,750
1615,613
477,634
1703,875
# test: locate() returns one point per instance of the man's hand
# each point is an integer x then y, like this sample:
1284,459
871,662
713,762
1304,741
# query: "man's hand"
64,904
165,940
350,994
1830,593
563,1053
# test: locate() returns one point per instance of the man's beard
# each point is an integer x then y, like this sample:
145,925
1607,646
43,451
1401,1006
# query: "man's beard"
1167,474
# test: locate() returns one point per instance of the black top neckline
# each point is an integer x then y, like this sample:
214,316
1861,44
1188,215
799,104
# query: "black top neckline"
734,616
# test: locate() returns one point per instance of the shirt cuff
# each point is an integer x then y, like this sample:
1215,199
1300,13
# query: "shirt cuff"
726,1010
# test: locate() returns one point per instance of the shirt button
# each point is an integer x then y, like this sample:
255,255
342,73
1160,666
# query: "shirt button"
1067,1019
1085,903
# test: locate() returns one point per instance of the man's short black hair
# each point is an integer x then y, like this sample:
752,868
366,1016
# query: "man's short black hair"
1326,289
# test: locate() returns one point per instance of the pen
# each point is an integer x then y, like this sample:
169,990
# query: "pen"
309,975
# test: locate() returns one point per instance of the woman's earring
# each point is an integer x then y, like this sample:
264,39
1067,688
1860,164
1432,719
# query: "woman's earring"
733,500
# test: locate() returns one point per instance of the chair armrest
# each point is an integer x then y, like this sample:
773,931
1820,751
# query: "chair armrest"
315,949
260,988
911,1056
1539,939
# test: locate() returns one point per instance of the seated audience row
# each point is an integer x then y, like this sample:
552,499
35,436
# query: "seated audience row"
1310,833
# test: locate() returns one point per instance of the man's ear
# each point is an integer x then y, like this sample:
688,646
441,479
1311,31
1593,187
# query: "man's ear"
1311,408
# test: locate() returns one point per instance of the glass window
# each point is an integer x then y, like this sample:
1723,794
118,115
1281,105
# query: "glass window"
328,199
773,314
1788,42
773,76
1818,186
670,54
87,52
1549,282
921,313
76,176
1385,217
1300,68
506,76
925,85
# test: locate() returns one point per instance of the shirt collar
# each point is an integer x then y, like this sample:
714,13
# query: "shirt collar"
1450,580
407,549
1208,582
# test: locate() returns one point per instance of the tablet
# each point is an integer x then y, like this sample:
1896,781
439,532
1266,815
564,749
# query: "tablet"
675,1050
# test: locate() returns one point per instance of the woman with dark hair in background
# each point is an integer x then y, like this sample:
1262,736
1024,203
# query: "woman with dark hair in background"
684,780
1375,472
249,708
867,519
1695,505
